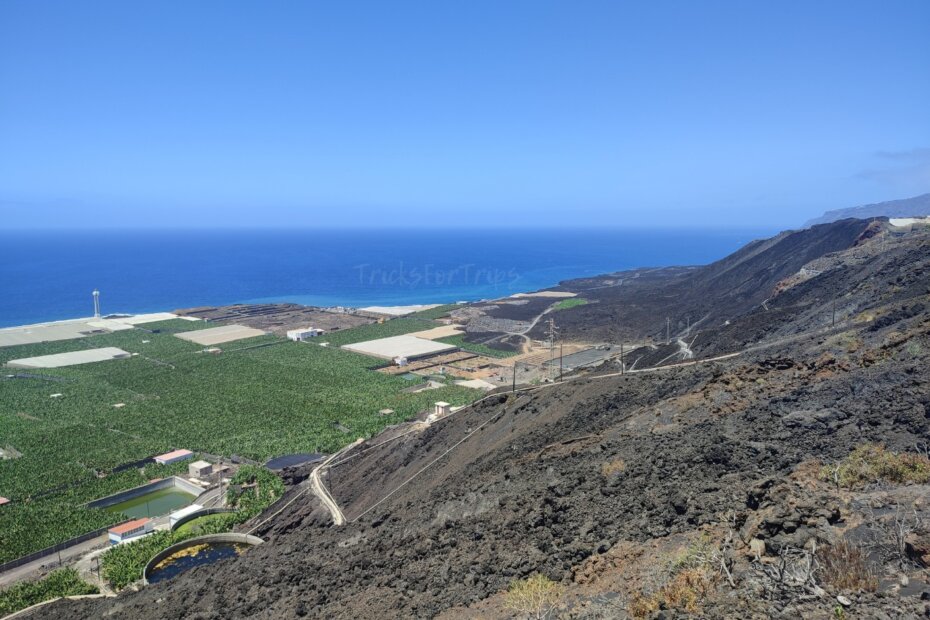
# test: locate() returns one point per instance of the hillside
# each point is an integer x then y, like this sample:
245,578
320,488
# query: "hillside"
785,475
905,207
648,304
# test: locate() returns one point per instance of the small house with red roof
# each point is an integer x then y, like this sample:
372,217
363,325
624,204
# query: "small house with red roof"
129,530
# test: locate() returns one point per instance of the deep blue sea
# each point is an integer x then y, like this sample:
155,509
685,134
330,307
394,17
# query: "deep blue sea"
50,275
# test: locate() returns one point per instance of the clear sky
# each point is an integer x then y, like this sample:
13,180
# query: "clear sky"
229,113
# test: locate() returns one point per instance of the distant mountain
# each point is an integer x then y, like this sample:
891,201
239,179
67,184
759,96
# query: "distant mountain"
906,207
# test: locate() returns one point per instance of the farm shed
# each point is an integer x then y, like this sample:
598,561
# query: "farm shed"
129,530
173,457
200,469
303,333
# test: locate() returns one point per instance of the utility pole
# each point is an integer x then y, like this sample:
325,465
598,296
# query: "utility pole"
833,321
514,388
552,332
621,358
668,330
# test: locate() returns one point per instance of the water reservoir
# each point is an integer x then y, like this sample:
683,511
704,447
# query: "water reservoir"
154,499
199,551
196,555
154,503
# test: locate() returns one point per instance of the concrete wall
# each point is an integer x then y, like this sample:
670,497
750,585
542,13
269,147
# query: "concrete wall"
122,496
200,513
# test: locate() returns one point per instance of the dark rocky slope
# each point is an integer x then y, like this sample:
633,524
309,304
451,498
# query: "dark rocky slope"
600,483
636,304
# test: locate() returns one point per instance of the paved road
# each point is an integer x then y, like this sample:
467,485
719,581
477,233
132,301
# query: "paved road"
50,562
320,490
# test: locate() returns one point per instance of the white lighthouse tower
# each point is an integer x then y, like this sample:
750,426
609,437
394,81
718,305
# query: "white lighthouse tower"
96,304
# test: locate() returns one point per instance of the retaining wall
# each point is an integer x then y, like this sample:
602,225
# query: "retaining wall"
122,496
200,513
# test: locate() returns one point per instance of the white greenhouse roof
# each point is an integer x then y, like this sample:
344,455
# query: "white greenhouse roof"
219,335
399,310
399,346
69,359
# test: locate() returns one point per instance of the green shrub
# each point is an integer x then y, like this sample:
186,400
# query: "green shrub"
63,582
260,489
869,463
123,564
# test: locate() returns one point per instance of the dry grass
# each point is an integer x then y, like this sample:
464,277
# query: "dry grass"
537,596
684,592
844,567
615,466
870,463
690,578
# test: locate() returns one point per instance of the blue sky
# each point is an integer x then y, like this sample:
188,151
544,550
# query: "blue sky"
204,113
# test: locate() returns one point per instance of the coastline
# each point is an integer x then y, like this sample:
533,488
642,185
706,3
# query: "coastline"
142,273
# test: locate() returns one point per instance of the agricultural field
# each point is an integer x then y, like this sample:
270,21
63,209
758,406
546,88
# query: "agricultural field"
260,398
571,302
394,327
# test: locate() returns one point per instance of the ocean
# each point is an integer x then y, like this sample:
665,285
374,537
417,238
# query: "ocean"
48,276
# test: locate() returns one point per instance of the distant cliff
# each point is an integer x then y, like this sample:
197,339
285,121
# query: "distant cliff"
906,207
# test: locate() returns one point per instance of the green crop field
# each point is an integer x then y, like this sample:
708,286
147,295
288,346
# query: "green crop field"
254,401
394,327
571,302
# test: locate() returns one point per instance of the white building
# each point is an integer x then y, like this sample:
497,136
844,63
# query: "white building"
173,456
200,469
442,408
129,530
177,515
303,333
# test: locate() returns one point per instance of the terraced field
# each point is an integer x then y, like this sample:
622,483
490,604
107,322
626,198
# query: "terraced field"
259,398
